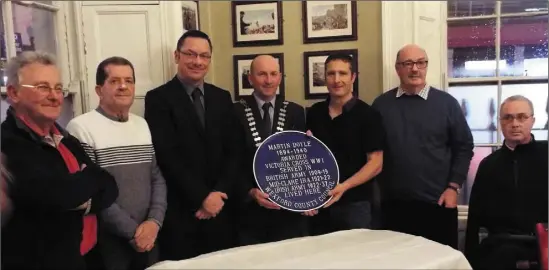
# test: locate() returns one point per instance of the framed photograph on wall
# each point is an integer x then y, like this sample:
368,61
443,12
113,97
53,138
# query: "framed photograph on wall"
241,69
257,23
191,18
329,21
315,81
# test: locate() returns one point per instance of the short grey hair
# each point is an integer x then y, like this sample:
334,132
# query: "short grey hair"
15,64
517,98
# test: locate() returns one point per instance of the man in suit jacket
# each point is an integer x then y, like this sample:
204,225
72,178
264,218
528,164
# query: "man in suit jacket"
261,220
195,135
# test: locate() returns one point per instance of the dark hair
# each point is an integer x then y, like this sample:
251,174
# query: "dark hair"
195,34
101,73
342,57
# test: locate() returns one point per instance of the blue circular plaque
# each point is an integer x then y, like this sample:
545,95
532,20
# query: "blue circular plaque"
296,170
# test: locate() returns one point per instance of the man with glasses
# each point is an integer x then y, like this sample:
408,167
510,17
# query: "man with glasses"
197,140
56,190
427,155
120,142
509,195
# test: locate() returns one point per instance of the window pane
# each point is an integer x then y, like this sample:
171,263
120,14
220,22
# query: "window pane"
479,154
471,48
478,104
517,6
524,46
3,53
34,29
470,8
537,93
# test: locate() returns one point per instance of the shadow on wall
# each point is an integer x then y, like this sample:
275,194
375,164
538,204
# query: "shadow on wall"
66,115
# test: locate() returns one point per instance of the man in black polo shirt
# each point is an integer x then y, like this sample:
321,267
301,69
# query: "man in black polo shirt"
354,133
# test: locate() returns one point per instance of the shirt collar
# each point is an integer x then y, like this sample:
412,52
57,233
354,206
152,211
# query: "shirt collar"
53,139
424,93
190,88
102,112
348,106
532,141
260,101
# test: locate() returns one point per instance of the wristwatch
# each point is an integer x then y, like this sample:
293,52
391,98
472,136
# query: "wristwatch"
457,190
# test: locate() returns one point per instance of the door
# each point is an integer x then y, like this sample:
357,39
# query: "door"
129,31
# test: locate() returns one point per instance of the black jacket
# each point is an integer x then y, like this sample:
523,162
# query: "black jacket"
293,120
43,232
194,160
509,194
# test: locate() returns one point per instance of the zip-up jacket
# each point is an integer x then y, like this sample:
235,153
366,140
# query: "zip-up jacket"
509,195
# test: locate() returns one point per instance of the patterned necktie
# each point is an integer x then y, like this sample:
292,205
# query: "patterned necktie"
267,126
198,106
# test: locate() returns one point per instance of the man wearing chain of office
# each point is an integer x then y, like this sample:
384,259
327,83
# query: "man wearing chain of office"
262,114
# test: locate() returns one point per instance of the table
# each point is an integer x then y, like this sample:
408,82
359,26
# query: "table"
352,249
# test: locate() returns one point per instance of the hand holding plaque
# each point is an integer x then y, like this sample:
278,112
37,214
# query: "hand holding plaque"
296,170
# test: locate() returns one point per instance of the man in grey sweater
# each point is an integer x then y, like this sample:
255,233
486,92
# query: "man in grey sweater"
121,143
427,156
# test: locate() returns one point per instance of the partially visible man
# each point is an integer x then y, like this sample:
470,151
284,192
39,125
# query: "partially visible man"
427,155
261,115
198,142
121,143
353,131
6,206
56,189
509,195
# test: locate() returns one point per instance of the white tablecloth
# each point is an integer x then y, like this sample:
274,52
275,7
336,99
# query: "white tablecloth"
353,249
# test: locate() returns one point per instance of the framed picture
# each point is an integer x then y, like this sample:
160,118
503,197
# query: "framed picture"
257,23
191,18
329,21
315,81
241,69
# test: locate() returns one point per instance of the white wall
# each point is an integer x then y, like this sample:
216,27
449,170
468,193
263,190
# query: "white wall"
418,22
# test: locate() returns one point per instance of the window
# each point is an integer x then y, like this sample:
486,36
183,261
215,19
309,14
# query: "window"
34,29
496,50
26,26
3,53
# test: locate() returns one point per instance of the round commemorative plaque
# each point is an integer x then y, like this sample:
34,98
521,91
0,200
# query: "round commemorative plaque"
296,170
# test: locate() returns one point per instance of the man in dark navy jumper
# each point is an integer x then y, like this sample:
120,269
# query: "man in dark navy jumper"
427,155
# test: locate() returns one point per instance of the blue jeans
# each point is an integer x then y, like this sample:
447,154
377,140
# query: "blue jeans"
345,216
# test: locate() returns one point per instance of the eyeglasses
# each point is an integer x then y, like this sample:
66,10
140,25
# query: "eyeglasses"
521,117
45,89
192,56
410,64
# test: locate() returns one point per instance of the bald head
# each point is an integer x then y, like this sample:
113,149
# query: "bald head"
409,49
263,60
411,67
265,76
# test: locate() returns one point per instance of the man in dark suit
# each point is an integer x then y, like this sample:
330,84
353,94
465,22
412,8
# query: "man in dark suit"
262,114
195,135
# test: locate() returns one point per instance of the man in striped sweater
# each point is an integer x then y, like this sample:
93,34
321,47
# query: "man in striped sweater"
120,142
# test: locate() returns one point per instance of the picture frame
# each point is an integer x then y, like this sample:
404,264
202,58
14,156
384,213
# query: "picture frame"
329,21
190,15
313,66
241,67
257,23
